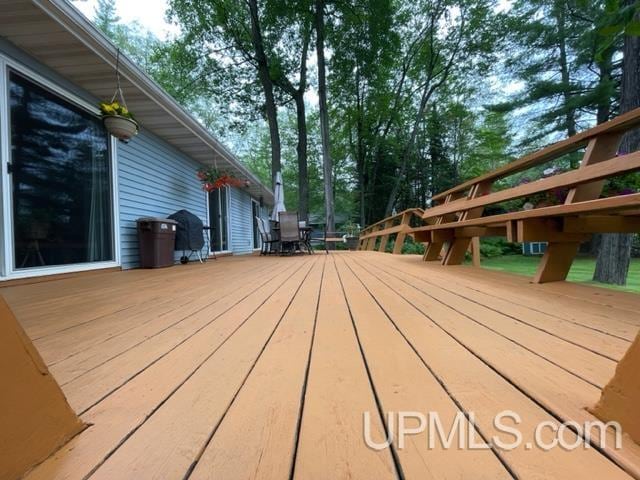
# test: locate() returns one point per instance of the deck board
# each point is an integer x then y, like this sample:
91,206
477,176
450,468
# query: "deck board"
330,443
257,437
262,368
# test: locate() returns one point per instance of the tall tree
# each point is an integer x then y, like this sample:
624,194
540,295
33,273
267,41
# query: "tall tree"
296,24
568,79
327,165
231,36
262,64
615,249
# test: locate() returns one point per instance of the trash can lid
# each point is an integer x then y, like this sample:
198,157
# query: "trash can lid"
156,220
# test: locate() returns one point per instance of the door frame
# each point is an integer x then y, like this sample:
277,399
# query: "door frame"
254,233
8,269
228,198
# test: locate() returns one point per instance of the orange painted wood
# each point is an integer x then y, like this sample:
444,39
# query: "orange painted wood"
456,249
402,235
151,450
433,250
468,358
222,390
621,123
257,436
35,417
392,362
338,393
558,257
558,390
583,177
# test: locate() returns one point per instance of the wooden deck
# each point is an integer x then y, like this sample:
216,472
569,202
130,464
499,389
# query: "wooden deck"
252,367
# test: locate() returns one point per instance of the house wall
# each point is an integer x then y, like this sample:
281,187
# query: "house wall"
241,221
155,180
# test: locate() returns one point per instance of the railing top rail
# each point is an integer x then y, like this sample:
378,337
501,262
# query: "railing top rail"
615,166
416,211
621,123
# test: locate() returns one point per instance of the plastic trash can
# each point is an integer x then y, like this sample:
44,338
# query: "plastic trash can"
156,238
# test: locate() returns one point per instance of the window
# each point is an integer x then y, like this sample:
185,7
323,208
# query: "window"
61,180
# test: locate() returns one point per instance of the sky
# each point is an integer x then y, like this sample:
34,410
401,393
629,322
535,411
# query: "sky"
150,14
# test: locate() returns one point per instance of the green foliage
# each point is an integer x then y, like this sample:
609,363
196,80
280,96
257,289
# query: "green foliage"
497,247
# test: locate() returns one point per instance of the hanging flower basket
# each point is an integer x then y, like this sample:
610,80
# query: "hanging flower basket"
214,179
116,117
120,126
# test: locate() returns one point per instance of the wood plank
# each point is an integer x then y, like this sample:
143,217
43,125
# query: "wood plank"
151,451
160,300
143,331
619,203
433,250
599,149
405,384
545,230
88,388
338,392
402,235
557,259
496,286
593,337
601,224
593,172
257,437
472,362
621,123
116,417
571,357
556,262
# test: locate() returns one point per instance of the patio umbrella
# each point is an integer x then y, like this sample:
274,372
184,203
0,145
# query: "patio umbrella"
278,194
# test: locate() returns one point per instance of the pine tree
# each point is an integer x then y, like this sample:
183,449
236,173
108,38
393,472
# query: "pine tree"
106,17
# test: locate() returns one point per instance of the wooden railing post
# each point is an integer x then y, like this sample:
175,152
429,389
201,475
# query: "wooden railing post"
558,258
456,249
432,249
402,236
372,241
475,251
385,238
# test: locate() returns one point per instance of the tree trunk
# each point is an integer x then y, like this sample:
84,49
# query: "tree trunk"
271,109
301,149
570,115
615,250
327,166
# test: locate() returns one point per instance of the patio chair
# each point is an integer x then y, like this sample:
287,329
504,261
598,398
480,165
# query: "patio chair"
289,232
327,238
268,241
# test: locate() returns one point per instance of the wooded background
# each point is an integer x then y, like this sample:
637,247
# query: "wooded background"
371,106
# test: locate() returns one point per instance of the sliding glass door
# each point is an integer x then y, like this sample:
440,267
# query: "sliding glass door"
219,219
60,174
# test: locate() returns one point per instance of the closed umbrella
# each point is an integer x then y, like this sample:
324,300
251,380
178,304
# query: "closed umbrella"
278,195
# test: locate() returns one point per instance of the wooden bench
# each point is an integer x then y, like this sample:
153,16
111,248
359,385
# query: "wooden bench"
458,217
398,225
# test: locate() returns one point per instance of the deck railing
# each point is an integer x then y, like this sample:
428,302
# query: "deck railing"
398,226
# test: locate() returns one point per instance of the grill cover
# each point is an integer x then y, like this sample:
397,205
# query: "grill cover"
189,235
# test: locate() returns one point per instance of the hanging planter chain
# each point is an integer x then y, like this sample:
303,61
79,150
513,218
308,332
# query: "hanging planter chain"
115,115
118,91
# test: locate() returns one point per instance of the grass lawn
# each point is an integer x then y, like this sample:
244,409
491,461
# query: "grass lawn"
581,272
